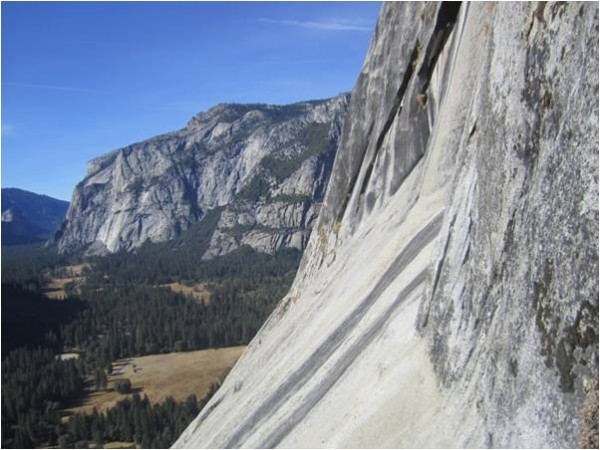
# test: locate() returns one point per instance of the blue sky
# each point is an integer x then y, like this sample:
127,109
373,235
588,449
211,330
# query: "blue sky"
81,79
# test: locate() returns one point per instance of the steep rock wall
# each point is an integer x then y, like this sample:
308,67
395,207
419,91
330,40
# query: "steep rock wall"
450,294
232,158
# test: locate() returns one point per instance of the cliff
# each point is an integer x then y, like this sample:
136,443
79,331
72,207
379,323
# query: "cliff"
264,168
449,297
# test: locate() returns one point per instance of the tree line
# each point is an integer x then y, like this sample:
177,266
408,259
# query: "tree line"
133,419
137,320
121,311
161,263
36,385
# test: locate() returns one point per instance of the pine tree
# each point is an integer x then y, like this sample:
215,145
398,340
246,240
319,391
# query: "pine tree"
101,380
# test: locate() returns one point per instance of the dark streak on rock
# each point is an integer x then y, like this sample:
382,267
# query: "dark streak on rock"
353,182
438,271
338,370
394,112
445,21
311,365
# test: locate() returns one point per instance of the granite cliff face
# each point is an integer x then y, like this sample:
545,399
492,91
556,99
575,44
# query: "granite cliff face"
449,294
265,168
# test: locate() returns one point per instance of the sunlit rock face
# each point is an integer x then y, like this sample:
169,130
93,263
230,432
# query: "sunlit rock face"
449,294
264,168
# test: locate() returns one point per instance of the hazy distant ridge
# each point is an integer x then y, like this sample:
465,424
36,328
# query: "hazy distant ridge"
28,217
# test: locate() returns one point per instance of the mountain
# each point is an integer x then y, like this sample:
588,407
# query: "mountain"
450,295
261,169
29,217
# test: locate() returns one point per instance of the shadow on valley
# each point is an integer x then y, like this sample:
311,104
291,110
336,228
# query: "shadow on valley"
29,319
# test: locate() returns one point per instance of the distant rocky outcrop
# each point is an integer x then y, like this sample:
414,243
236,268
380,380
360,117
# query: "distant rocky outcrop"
28,218
263,167
449,294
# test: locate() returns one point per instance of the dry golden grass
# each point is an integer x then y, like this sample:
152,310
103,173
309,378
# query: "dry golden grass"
77,269
158,376
198,292
117,444
55,288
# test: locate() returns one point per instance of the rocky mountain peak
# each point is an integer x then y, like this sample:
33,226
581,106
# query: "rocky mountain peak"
267,162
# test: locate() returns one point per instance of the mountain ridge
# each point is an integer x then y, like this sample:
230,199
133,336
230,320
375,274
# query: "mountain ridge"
266,166
28,217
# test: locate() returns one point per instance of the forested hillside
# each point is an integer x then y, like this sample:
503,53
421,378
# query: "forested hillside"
123,309
28,217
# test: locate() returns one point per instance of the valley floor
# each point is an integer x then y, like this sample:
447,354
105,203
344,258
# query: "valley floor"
158,376
55,287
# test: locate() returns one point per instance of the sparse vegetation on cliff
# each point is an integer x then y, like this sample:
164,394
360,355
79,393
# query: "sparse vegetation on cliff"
588,436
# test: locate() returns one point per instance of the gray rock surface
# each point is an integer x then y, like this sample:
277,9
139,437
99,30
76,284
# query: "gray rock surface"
266,165
449,294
